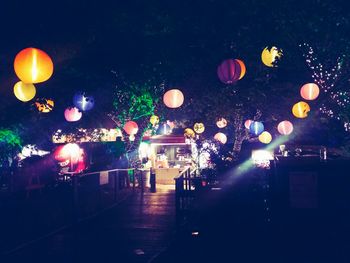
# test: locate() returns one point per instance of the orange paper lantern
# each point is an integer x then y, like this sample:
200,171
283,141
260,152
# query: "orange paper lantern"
33,65
243,68
173,98
285,127
44,105
131,127
221,137
309,91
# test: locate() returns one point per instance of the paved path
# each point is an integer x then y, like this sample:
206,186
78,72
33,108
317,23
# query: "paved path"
137,230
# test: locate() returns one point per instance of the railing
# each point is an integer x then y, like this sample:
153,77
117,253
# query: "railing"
185,185
73,198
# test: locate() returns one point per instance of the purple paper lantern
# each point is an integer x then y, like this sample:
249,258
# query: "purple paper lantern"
229,71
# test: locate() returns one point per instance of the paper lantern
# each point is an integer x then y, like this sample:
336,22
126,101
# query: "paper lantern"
221,137
221,123
229,71
44,105
256,128
164,128
72,114
243,68
173,98
189,133
301,109
83,102
131,127
309,91
60,154
24,91
154,120
67,151
171,124
285,127
199,127
270,57
33,65
247,124
265,137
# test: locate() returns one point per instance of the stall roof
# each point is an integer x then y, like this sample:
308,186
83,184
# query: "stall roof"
167,139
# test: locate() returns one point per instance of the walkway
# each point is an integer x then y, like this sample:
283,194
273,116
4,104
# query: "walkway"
136,230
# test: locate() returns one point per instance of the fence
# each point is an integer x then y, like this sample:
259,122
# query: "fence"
186,183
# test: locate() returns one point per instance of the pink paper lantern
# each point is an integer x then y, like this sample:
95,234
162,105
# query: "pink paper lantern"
285,127
173,98
72,114
221,137
309,91
131,127
247,123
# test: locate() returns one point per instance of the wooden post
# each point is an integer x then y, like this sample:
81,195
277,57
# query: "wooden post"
153,181
75,197
116,184
133,179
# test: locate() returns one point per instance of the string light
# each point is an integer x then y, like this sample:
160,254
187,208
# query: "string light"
324,78
338,101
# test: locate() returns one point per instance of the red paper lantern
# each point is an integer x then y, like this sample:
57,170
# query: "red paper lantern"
285,127
131,127
221,137
72,114
33,65
309,91
231,70
61,155
173,98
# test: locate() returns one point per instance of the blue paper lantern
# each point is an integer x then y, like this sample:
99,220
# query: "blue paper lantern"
83,102
256,128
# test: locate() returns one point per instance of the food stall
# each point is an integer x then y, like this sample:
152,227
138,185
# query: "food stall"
168,156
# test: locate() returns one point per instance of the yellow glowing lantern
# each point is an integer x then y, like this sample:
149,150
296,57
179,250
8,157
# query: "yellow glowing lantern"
44,105
154,120
173,98
271,56
221,123
221,137
309,91
301,109
199,127
189,133
24,91
33,65
265,137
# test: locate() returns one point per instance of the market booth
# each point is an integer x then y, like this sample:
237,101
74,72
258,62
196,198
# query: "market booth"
169,155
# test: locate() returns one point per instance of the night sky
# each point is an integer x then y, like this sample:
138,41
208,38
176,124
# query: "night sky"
180,42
